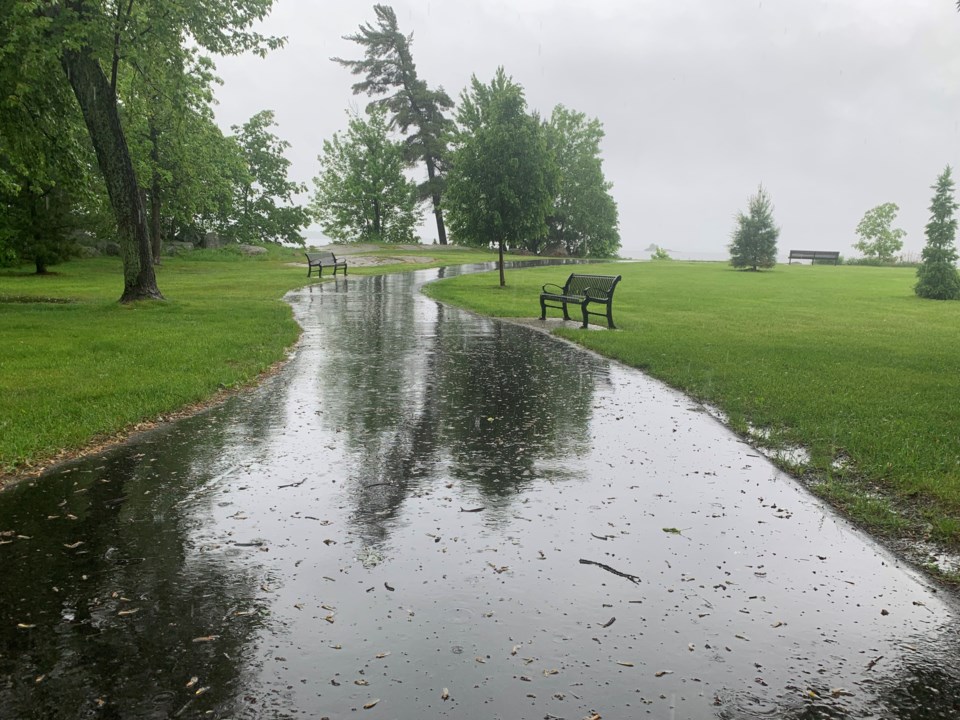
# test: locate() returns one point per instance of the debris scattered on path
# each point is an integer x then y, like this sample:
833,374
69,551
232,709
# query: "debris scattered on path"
632,578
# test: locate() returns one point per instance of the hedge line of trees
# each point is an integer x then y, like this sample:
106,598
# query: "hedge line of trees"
107,132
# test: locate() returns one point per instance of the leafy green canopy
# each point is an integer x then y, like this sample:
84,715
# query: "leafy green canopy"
47,185
259,217
389,71
93,42
504,178
584,220
937,277
361,192
754,239
877,239
186,166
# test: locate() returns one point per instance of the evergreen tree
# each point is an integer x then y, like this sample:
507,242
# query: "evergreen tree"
361,192
754,240
389,68
937,276
37,227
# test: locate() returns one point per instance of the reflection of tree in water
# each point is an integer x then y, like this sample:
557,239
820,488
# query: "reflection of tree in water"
111,624
416,385
388,407
509,400
374,372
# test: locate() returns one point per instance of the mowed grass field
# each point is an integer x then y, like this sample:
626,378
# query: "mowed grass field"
73,372
845,361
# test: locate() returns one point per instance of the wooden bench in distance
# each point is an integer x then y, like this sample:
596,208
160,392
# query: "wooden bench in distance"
814,255
581,290
323,260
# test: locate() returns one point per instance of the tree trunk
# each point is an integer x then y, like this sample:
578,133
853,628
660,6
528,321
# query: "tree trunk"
503,280
377,226
435,195
156,239
99,107
156,236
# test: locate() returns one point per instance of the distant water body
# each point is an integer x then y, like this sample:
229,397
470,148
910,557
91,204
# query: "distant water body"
316,237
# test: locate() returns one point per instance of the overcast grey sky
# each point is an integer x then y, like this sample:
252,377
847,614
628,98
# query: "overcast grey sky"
835,106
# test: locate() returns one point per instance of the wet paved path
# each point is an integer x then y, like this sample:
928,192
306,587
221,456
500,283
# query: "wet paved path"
310,549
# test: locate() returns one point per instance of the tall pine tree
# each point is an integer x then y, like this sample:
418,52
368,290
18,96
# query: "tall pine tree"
389,68
754,240
937,276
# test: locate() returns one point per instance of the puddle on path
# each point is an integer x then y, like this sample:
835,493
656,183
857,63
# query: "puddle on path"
403,513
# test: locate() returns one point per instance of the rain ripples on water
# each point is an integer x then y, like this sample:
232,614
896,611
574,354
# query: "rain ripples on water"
432,514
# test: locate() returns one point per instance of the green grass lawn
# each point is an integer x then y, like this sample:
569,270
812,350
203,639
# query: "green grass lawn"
73,371
845,361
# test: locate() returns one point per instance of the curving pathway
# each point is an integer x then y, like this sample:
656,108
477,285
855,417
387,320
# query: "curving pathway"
433,514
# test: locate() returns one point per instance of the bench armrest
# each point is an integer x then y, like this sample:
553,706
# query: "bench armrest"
551,292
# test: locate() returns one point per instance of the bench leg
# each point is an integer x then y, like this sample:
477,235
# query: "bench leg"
610,318
543,309
566,315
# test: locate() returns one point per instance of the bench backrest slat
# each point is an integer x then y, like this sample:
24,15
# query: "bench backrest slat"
814,254
578,284
321,257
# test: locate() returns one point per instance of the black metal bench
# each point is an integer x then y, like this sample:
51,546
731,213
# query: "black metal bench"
814,255
581,290
323,260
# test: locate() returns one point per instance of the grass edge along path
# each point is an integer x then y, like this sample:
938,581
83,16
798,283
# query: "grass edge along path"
79,371
845,362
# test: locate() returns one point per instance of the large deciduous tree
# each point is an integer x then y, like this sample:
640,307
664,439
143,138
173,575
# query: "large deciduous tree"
754,239
937,276
91,40
583,220
503,178
388,69
361,192
258,216
878,240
